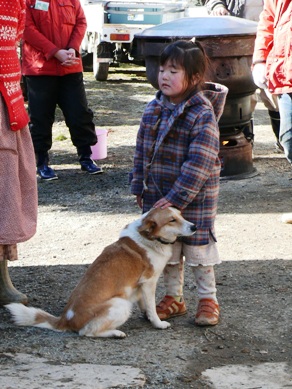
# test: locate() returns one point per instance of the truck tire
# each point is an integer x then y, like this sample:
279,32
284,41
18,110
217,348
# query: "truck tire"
152,67
87,62
101,71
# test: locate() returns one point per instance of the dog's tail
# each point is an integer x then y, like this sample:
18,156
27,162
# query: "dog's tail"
29,316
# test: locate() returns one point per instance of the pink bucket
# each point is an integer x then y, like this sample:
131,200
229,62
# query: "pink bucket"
99,150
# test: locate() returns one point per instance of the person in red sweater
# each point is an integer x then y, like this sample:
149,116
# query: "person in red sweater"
272,65
18,188
52,68
248,9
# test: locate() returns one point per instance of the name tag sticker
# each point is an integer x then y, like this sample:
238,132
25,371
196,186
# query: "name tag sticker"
41,5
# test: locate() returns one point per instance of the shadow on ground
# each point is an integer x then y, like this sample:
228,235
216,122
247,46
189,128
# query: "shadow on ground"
255,323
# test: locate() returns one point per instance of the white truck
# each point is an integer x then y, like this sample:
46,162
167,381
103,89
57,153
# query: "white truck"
111,26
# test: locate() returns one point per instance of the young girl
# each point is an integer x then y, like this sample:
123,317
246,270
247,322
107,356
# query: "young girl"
176,164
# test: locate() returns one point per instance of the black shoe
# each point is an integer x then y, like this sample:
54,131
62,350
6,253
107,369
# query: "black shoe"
46,173
279,147
90,167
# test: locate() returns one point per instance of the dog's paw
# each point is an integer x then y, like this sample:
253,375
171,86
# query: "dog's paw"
118,334
162,325
105,334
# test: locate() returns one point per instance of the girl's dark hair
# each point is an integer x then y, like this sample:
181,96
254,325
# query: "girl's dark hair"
190,55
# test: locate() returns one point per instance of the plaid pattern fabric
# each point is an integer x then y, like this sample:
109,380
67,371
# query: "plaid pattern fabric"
185,168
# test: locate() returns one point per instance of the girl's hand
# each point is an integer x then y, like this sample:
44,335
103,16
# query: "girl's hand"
162,203
139,201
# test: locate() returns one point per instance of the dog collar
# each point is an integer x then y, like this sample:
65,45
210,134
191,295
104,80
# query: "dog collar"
163,241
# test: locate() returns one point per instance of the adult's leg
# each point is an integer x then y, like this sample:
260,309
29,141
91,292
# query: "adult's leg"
285,108
273,109
78,116
275,122
8,293
42,100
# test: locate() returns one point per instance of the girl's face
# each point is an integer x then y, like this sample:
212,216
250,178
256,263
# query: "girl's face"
172,82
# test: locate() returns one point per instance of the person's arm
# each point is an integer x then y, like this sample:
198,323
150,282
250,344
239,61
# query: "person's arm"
21,21
200,163
265,33
216,7
137,172
79,29
263,44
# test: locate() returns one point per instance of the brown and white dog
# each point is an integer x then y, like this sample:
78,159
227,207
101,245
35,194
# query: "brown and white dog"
125,272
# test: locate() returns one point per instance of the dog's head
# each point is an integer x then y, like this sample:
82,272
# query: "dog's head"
165,225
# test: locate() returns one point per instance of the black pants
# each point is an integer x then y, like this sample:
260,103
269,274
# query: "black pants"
68,92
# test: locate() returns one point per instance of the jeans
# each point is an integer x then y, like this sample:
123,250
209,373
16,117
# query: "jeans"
68,92
285,109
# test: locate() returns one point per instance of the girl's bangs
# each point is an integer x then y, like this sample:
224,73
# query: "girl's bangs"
173,54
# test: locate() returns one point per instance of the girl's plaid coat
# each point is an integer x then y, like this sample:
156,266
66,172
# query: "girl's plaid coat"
183,148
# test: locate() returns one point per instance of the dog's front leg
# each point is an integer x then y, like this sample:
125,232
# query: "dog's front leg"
148,295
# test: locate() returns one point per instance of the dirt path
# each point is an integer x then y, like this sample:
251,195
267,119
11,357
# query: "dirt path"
79,215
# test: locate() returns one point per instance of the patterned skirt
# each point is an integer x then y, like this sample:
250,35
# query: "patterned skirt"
18,186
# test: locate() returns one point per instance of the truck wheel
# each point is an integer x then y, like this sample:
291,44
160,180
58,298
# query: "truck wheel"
101,71
87,62
152,68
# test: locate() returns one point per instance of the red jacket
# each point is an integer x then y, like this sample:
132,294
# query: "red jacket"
12,15
273,44
61,26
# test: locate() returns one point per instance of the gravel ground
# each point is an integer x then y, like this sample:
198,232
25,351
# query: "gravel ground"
79,215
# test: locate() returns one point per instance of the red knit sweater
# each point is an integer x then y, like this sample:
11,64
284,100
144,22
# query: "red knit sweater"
12,19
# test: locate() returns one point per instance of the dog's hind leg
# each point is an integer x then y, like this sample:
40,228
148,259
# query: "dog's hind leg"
104,326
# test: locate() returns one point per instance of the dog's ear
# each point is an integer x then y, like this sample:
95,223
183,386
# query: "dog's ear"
147,225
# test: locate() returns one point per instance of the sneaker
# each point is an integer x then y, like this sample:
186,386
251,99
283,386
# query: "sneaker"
207,313
46,173
90,167
169,307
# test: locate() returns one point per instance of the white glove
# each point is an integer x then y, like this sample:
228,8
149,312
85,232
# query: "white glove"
259,75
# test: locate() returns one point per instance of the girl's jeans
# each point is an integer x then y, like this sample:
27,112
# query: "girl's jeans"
285,108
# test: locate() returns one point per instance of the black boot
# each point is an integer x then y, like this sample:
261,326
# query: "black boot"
275,122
